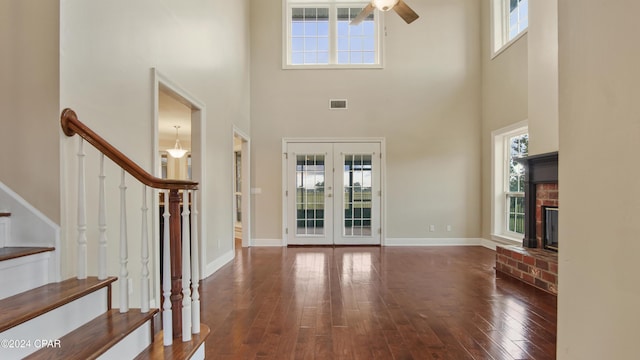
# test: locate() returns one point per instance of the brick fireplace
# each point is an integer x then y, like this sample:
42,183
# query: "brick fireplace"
546,199
534,263
541,189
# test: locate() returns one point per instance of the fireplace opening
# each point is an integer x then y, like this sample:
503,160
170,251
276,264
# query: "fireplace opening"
550,227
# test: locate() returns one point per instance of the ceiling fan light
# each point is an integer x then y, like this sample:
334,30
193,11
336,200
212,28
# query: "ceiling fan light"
385,5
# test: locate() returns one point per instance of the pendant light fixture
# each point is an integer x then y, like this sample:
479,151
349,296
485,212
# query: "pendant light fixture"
177,151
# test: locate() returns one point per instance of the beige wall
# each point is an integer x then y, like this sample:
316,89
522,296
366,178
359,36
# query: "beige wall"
29,99
543,76
425,102
504,100
108,50
599,291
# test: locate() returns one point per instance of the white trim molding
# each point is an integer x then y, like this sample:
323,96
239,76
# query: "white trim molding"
218,263
432,242
406,242
268,243
398,242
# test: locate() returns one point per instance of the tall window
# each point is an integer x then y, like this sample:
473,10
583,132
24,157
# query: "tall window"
517,147
509,144
510,19
320,36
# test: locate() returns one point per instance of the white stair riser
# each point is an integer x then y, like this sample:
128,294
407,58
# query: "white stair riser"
5,231
55,323
29,227
24,273
130,346
199,354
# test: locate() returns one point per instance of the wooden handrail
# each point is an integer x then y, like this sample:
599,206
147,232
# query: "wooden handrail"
72,126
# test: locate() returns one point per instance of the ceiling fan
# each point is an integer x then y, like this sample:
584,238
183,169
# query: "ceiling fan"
400,7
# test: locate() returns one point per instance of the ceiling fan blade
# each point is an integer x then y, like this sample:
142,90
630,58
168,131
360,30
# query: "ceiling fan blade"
363,14
406,13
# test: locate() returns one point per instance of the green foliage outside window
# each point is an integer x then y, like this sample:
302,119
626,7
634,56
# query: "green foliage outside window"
518,147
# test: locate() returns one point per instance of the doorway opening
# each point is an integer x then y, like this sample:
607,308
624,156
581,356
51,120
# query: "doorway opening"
241,185
179,122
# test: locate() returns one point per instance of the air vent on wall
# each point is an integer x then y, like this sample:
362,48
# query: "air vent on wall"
338,104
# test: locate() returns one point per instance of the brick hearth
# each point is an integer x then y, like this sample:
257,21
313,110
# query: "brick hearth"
536,267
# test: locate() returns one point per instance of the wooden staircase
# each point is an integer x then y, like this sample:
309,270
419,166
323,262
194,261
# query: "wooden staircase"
58,321
42,317
72,319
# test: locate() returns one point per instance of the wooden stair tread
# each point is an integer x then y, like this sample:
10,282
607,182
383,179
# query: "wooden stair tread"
97,336
8,253
5,214
178,350
25,306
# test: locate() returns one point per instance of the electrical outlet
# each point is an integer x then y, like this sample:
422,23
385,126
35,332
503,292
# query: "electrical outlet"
432,228
448,227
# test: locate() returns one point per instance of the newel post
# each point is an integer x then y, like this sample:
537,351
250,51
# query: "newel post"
176,262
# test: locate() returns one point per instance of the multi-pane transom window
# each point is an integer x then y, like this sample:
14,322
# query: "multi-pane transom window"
356,43
321,36
309,36
517,147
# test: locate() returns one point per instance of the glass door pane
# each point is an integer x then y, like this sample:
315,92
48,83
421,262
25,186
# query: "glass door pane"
357,195
310,179
357,210
308,195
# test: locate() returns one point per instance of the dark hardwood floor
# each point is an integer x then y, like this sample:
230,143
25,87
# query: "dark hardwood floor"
373,303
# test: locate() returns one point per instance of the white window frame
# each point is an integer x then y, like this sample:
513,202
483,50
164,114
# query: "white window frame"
500,27
287,5
500,186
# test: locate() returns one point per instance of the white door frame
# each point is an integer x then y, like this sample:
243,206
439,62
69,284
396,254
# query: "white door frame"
245,187
198,151
383,177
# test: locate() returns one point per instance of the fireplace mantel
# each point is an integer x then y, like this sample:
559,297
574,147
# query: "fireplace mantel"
539,169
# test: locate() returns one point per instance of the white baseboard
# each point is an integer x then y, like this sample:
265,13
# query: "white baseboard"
5,231
215,265
489,244
268,243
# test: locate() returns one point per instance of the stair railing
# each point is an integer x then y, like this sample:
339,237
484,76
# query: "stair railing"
181,299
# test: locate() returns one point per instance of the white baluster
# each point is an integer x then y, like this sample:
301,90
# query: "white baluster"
186,269
144,288
82,215
167,318
195,268
124,273
102,225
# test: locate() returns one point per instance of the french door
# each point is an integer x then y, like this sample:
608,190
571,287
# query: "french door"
333,193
